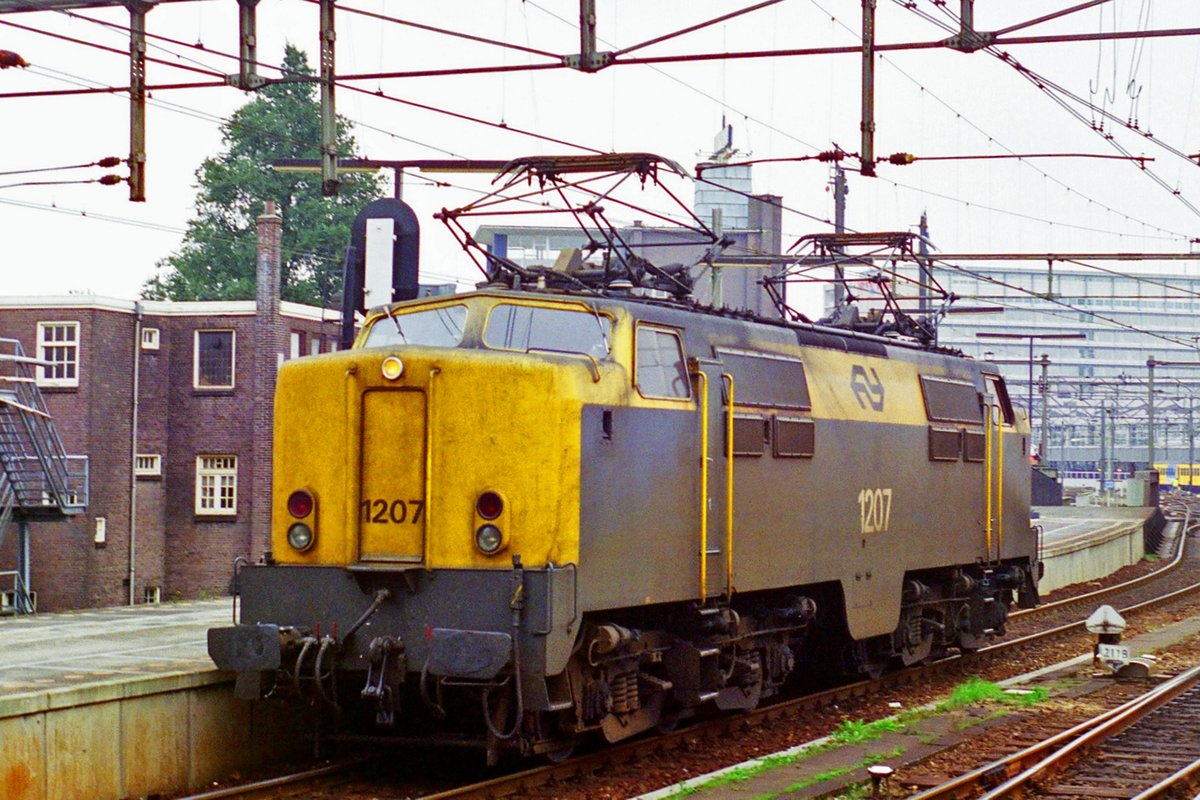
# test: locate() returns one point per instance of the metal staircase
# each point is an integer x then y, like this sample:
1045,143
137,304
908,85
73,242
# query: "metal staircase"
38,480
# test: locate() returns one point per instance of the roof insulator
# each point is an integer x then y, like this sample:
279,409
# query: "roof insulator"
10,59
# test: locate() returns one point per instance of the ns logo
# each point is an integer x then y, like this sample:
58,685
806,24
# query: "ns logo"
868,389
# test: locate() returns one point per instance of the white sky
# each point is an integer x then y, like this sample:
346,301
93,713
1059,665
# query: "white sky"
930,103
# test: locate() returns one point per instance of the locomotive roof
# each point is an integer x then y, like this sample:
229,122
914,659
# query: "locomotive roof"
684,313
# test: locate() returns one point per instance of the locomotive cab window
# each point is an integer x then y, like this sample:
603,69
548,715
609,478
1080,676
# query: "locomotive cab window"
554,330
661,370
434,327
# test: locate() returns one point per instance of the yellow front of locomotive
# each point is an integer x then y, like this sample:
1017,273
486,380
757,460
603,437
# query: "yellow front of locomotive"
426,515
448,438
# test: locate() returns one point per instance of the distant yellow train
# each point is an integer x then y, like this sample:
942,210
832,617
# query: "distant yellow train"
1179,476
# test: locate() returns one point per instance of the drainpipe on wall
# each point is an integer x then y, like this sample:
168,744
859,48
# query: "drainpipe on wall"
133,449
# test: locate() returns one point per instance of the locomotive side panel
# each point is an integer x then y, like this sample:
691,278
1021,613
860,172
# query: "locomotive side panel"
639,507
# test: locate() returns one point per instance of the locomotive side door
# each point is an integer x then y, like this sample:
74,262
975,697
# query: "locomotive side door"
713,543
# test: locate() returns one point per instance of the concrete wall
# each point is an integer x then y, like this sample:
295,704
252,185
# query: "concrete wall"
1122,544
133,739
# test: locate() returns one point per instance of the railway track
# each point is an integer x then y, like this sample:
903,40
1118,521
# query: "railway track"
1145,748
296,784
539,780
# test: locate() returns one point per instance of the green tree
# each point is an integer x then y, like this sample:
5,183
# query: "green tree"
216,260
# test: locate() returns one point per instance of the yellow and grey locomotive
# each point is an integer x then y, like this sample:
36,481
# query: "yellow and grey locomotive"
563,505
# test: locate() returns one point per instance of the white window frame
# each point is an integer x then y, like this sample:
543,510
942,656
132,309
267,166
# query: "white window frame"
214,474
196,358
294,344
150,338
147,465
43,346
314,345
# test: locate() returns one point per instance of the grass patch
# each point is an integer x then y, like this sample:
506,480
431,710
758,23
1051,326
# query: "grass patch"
1150,557
857,731
852,791
976,691
740,774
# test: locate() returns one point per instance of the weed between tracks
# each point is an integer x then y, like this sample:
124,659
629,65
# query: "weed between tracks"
973,692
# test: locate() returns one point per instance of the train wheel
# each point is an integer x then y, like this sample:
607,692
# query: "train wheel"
559,754
968,642
668,722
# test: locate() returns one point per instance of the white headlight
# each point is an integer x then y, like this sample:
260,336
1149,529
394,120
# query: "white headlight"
300,536
488,538
392,368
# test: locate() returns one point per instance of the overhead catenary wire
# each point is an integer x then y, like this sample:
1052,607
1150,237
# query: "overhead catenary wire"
1057,94
107,49
959,200
955,199
107,161
907,4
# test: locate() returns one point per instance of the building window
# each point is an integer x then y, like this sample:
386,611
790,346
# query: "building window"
58,343
214,360
294,344
216,485
147,465
314,345
150,338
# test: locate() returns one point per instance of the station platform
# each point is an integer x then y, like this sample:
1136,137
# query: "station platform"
45,653
1083,543
131,689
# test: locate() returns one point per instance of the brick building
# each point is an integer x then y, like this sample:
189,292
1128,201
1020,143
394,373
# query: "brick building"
171,402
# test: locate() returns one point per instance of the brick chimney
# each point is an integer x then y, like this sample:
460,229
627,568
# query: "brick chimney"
268,349
269,260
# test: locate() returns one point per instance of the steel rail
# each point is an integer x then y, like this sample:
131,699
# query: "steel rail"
1098,731
1170,783
286,785
1014,765
1024,765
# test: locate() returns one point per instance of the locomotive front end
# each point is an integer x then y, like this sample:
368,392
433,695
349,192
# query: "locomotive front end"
425,517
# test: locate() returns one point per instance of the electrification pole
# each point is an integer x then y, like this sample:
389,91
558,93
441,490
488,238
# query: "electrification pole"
867,156
840,190
1150,413
1045,441
1103,444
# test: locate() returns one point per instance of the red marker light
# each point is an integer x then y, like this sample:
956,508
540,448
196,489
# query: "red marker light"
489,505
300,504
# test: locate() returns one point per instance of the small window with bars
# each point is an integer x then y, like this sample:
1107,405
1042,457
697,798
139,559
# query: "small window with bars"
58,344
150,338
216,485
213,367
147,465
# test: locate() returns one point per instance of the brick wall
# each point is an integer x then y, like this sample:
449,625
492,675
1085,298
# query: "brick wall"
94,419
183,554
